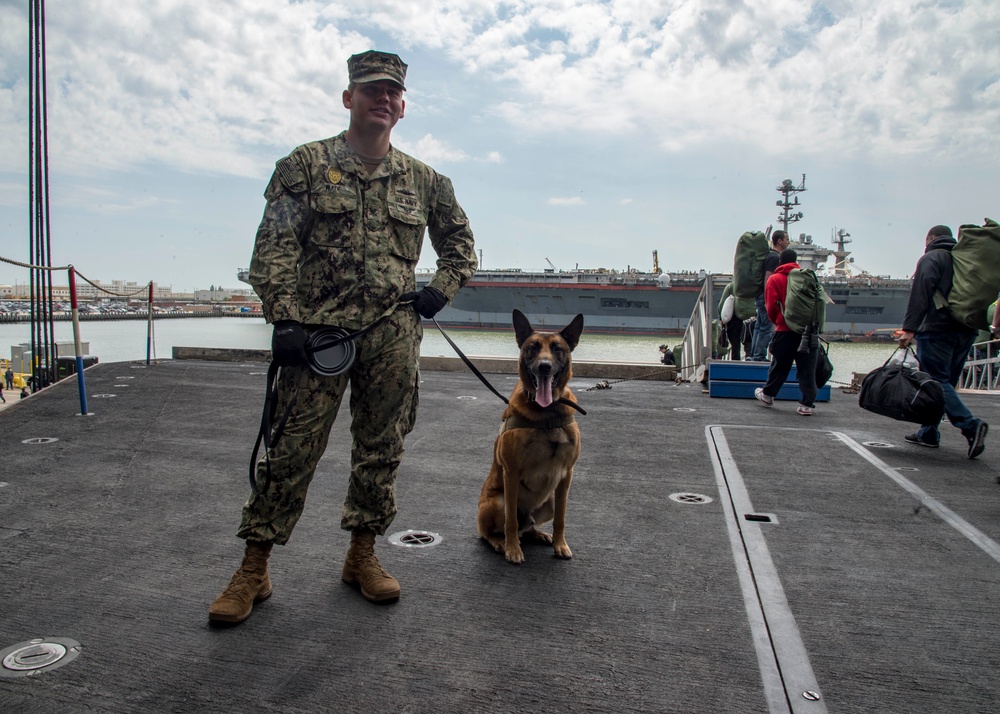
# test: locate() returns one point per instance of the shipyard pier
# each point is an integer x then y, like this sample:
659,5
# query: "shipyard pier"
727,558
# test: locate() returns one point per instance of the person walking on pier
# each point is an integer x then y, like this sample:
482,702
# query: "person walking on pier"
736,327
763,329
785,346
337,246
942,343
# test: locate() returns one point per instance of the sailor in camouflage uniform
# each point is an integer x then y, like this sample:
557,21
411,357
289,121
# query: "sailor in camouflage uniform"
337,246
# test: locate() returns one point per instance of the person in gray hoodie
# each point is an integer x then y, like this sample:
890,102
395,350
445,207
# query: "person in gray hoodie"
943,344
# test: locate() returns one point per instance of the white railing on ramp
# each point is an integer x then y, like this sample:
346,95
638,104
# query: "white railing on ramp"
696,349
982,369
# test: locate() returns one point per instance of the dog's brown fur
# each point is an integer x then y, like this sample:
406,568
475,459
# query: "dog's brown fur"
529,481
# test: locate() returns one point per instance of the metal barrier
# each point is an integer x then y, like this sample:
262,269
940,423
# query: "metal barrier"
696,349
982,369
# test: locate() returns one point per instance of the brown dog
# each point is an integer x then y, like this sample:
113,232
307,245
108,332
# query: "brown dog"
538,444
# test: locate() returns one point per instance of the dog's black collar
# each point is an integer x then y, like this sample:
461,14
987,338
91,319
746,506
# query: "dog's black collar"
516,421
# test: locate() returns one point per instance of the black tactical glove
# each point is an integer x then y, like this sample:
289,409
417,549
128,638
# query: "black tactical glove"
288,344
428,301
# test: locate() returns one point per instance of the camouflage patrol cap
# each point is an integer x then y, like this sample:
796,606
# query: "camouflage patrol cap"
372,66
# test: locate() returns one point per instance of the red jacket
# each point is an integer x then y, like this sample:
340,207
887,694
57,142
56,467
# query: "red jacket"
774,295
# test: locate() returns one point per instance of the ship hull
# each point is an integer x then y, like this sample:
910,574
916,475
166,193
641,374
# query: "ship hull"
858,308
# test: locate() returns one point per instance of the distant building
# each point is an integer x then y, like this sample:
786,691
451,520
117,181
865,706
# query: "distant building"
130,290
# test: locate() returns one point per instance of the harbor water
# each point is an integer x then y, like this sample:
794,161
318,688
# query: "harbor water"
125,341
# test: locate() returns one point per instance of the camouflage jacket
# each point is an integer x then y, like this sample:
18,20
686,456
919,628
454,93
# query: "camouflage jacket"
338,247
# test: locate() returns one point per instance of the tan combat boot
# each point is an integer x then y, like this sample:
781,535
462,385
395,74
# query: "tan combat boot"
250,584
362,569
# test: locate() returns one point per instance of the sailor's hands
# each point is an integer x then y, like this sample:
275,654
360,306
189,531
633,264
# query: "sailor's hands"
288,344
428,301
905,338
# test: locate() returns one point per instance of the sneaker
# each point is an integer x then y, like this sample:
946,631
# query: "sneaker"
914,438
763,398
804,410
977,441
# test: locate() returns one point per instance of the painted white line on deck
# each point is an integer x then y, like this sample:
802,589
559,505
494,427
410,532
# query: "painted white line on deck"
980,539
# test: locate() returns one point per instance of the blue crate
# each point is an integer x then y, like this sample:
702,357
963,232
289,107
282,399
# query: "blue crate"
744,371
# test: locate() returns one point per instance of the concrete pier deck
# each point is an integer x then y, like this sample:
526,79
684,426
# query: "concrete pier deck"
727,558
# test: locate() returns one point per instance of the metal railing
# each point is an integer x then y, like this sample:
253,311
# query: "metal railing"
982,369
696,348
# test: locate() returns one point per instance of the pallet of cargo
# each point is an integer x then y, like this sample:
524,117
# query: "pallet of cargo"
738,380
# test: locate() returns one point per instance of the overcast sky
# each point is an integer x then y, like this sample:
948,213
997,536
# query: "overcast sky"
582,133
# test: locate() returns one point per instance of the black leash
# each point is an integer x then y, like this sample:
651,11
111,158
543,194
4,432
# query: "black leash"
472,367
266,434
269,434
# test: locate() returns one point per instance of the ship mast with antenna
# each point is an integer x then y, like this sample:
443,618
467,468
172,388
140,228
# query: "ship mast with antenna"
788,190
840,238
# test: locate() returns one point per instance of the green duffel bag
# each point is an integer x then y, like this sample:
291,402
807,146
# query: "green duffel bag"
748,264
976,282
805,301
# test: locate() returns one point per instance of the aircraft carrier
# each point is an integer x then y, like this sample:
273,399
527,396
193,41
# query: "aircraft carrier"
659,302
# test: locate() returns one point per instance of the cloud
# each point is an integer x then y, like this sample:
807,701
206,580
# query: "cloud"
184,83
433,151
885,79
13,194
225,87
494,157
573,201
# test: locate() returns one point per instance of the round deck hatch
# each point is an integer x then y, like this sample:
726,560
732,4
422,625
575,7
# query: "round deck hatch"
690,498
415,539
37,655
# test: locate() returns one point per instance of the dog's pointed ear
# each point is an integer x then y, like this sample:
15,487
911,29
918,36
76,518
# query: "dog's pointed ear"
522,328
571,333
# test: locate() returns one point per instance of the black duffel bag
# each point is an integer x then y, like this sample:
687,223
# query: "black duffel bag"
899,391
824,367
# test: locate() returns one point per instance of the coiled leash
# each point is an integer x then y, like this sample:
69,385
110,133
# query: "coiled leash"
330,352
472,368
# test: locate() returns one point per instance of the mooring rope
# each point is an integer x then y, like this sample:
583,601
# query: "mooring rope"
144,290
605,384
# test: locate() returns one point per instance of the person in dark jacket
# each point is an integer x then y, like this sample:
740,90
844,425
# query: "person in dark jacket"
763,329
942,343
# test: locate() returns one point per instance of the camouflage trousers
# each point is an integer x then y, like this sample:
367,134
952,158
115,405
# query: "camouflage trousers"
384,381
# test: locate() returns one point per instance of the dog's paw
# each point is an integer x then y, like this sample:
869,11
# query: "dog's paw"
514,555
539,536
562,550
495,543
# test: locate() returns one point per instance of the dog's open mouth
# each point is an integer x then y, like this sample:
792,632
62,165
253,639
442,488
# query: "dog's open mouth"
543,389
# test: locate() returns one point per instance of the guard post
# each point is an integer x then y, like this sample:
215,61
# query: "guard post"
76,340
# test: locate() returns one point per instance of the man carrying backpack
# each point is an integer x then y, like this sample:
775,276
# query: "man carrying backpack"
787,346
764,327
942,343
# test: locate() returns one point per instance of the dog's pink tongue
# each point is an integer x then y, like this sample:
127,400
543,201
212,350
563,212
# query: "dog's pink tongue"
543,394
